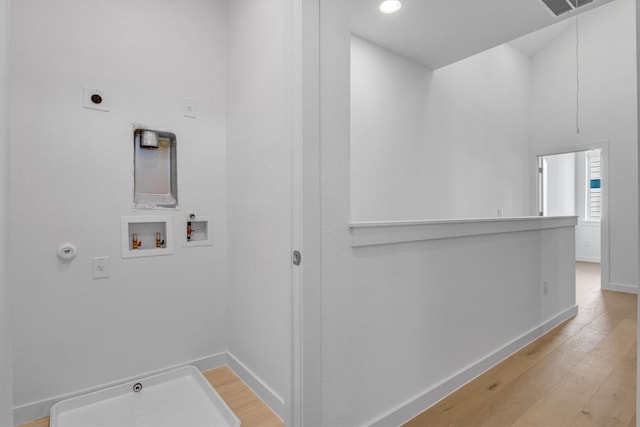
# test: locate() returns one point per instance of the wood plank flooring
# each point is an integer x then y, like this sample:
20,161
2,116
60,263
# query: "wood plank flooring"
582,373
247,406
243,402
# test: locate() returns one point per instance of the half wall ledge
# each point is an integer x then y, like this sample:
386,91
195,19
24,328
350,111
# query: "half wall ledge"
369,233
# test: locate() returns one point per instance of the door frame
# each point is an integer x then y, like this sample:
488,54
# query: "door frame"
304,405
605,221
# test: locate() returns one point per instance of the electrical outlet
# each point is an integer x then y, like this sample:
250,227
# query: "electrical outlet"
101,266
545,288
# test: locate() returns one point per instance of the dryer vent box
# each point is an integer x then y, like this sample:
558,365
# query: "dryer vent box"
155,174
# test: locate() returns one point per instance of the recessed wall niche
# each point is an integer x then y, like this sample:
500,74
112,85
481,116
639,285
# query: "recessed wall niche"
155,171
146,235
197,231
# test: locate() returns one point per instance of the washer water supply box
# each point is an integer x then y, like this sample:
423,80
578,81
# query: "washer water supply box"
181,397
150,235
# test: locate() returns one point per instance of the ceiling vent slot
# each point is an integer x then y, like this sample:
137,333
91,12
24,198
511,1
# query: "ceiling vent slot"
559,7
580,3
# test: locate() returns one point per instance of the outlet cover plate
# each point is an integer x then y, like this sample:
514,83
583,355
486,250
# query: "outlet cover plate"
101,267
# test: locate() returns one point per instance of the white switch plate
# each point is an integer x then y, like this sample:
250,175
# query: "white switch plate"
190,108
101,267
88,102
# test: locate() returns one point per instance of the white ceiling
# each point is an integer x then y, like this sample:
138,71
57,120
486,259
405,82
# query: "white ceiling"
532,43
436,33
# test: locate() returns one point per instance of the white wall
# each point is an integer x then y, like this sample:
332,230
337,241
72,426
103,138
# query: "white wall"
6,380
259,194
391,162
608,111
449,143
384,307
72,179
588,241
560,193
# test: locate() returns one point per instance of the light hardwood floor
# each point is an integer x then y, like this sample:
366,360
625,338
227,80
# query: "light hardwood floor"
247,406
582,373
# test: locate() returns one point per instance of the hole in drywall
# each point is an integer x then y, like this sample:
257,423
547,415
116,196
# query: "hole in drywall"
96,99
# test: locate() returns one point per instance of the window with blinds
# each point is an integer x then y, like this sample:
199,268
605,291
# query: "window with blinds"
594,184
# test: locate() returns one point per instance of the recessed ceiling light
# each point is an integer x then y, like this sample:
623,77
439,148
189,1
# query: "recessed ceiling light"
390,6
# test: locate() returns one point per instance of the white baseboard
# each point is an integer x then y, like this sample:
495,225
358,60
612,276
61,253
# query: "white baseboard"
270,397
587,259
33,411
414,406
620,287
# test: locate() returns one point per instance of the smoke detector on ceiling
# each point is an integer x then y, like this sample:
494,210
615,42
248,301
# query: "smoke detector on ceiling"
560,7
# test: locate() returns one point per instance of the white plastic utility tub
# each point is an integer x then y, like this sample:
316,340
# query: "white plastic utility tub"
181,397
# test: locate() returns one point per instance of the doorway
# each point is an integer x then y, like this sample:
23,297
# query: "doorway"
574,181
